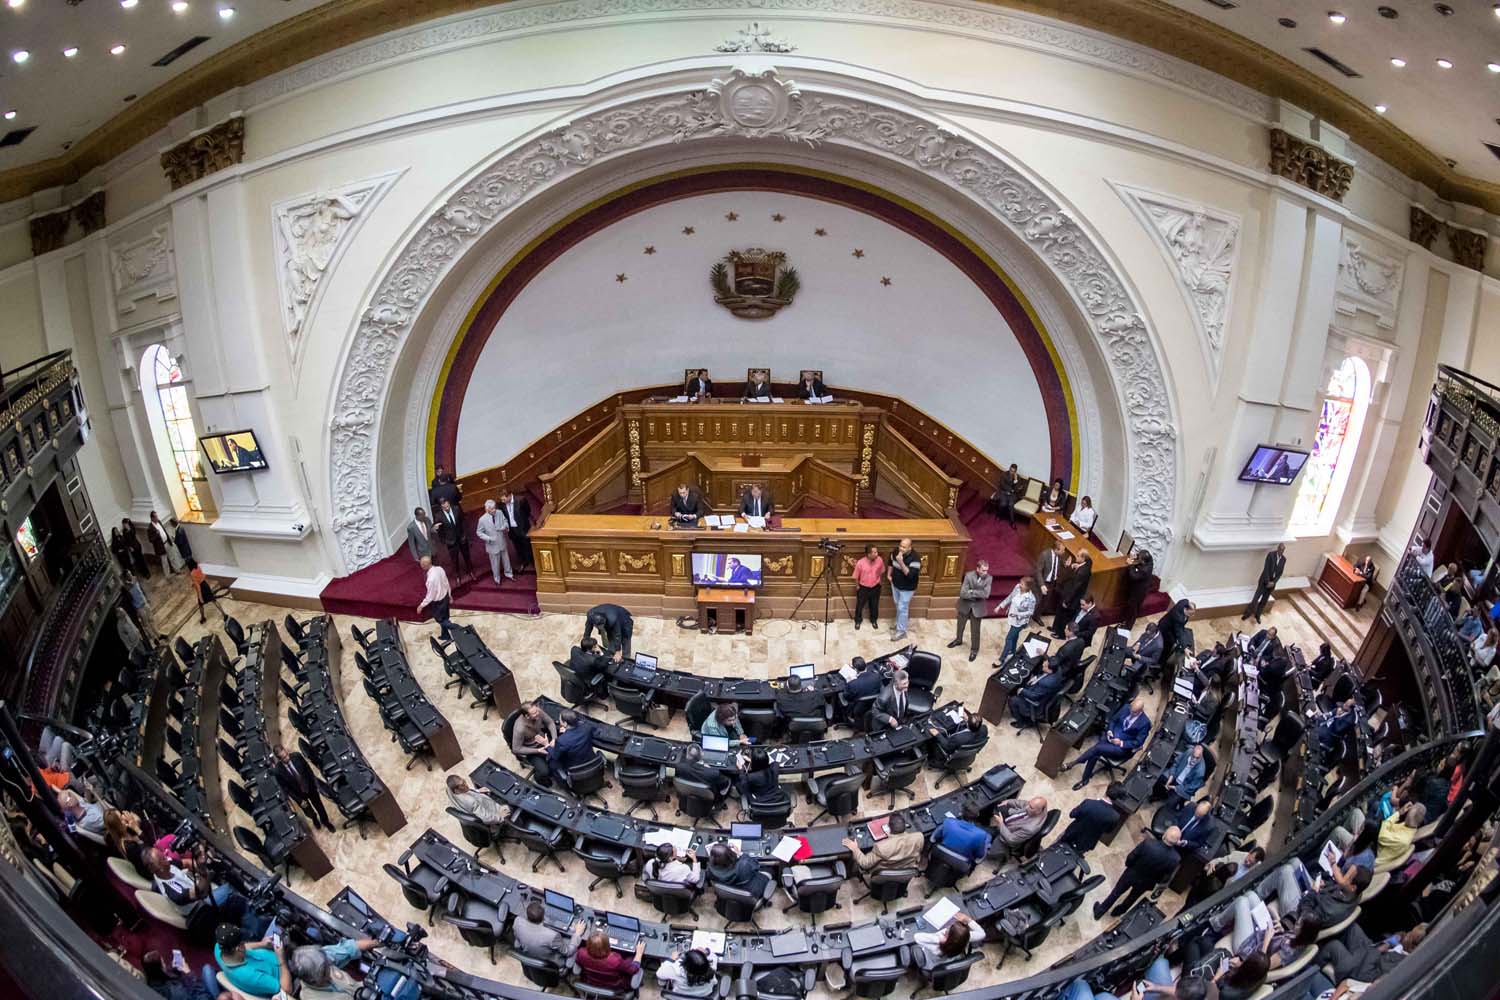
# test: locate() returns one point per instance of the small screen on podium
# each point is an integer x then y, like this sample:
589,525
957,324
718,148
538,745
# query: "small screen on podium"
719,569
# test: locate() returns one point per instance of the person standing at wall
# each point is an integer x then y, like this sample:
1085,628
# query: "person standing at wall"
1270,572
905,568
868,572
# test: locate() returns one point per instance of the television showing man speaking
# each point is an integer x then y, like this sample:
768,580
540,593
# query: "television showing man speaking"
717,569
236,451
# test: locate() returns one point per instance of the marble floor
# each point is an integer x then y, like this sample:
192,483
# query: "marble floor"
529,644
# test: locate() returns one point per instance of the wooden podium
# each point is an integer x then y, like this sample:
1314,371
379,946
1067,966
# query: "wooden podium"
1339,581
721,601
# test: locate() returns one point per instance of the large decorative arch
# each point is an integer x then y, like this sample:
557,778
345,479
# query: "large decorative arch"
755,105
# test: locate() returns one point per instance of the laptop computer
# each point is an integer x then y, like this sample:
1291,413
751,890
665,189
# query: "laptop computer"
624,931
716,751
837,752
645,660
866,937
606,828
904,736
559,910
745,831
806,671
791,943
549,806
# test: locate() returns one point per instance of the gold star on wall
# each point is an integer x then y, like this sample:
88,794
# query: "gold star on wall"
622,279
820,232
885,281
688,230
858,253
732,216
648,251
778,217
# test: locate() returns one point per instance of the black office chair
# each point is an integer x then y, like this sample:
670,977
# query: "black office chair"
586,780
643,784
241,798
759,722
229,755
298,722
167,774
738,906
772,811
478,833
923,670
673,899
606,861
817,894
696,799
896,774
236,633
363,638
958,764
1028,850
366,668
633,704
356,811
945,868
424,888
229,697
875,975
294,629
174,739
886,885
293,696
452,665
807,728
837,794
946,975
753,985
1285,736
478,921
230,724
547,975
577,692
251,844
540,838
293,665
414,744
698,709
186,654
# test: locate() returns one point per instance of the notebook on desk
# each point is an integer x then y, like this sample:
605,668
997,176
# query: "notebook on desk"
880,828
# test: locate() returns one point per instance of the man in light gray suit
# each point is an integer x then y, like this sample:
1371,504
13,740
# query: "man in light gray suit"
493,529
972,594
420,535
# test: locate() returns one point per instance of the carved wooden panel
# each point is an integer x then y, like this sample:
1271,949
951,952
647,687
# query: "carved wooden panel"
591,560
778,565
636,562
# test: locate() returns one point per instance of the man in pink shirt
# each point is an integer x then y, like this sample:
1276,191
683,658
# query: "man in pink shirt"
869,574
435,602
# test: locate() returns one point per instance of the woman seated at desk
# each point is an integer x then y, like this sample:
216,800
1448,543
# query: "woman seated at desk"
1055,497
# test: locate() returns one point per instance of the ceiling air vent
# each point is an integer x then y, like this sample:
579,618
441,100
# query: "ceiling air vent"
15,136
1330,60
181,50
1223,4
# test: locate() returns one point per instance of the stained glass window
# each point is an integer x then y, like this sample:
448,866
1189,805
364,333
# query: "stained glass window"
182,437
1324,475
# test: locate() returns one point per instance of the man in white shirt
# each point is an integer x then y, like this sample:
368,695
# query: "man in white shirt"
492,529
435,601
1019,606
1423,551
1084,515
474,801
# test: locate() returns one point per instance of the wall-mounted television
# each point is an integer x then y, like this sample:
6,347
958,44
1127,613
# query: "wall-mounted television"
232,451
723,569
1273,465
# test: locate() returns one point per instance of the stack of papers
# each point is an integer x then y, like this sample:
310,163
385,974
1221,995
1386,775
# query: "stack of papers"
709,941
741,527
679,838
678,399
717,520
755,522
956,713
1064,535
777,399
820,399
1036,647
941,913
1123,632
848,673
785,848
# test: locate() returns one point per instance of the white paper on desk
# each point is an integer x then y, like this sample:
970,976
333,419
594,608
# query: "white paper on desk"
679,838
1244,640
742,527
1036,647
1123,632
941,913
1052,526
709,941
785,848
678,399
755,522
1064,535
956,713
777,399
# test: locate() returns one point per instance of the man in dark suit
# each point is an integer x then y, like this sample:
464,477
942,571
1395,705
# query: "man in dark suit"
614,623
1199,829
1070,654
455,534
1086,622
758,385
517,511
1146,651
180,539
1264,646
296,778
243,458
687,505
699,385
891,704
1091,819
811,387
1003,500
1126,732
588,661
861,690
1148,865
968,734
1072,587
1138,573
1270,572
574,746
1028,705
1049,567
756,502
692,768
444,487
794,699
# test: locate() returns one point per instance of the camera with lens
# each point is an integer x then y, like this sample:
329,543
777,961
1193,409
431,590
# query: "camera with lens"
828,545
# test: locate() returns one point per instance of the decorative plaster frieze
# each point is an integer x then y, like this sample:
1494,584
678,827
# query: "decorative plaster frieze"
754,38
1202,245
1369,280
1059,241
309,234
143,267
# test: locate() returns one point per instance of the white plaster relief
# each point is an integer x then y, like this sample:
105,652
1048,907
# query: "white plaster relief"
310,233
754,38
1064,246
1369,280
143,267
1202,245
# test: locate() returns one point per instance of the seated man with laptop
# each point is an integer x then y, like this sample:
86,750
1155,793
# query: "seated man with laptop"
694,768
795,698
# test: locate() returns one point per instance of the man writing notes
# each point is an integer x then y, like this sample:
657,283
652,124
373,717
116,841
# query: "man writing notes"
1127,731
758,385
1270,572
698,385
905,568
492,529
687,505
972,594
517,511
756,502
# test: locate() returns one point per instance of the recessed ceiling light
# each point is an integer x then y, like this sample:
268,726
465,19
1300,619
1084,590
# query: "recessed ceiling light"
180,7
20,55
1445,64
1443,9
1286,22
127,4
1494,67
225,13
117,49
1380,109
70,51
1397,61
16,3
10,115
1336,17
1389,13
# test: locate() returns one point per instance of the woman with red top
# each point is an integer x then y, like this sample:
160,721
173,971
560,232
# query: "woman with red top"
604,967
868,575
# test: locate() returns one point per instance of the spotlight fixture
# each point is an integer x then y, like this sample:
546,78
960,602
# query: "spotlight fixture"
1286,22
19,56
117,49
1380,109
1389,13
1397,61
1445,64
1336,17
225,13
16,4
127,4
10,115
1493,67
180,7
1443,9
70,52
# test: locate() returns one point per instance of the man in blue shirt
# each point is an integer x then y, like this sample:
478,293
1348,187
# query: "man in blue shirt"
1127,731
1185,776
575,743
964,837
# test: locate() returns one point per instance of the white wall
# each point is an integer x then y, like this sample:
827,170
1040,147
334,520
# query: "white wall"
575,334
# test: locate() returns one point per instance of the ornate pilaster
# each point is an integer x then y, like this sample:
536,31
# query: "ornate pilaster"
1468,247
1311,166
633,434
1424,228
209,151
866,491
89,213
49,231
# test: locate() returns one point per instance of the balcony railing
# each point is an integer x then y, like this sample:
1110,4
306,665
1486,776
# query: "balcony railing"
65,635
1444,672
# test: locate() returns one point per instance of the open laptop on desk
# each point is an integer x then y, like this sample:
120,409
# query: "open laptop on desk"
624,931
745,831
559,910
805,671
716,752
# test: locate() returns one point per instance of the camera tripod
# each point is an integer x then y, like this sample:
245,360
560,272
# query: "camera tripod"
831,585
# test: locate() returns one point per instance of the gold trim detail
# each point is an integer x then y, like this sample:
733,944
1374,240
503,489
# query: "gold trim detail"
780,566
633,430
545,556
679,564
644,563
950,566
593,560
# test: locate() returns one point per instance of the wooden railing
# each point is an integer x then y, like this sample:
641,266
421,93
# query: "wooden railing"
658,485
816,478
903,466
570,487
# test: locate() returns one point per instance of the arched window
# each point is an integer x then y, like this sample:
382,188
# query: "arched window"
167,403
1327,470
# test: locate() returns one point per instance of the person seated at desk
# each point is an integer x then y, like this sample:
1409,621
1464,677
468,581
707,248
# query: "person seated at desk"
690,974
901,848
687,505
725,722
1055,498
532,737
1027,704
761,778
964,836
1198,827
588,661
757,386
530,935
889,711
967,734
600,965
574,746
1018,821
867,681
1146,651
950,942
756,502
1126,732
699,385
666,866
796,700
1086,621
728,867
474,801
1336,725
1069,655
692,768
811,387
252,967
614,624
1185,775
320,966
1264,646
1084,516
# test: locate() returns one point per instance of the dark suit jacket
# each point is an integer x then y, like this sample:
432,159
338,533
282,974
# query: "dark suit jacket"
573,747
1087,626
1043,561
1271,571
455,535
616,621
817,389
795,703
1065,661
1040,691
702,773
444,490
767,506
760,784
884,710
690,387
1091,819
693,504
522,520
1073,585
296,777
1009,488
752,391
1203,832
1151,861
865,685
587,665
180,538
961,739
1132,735
1138,577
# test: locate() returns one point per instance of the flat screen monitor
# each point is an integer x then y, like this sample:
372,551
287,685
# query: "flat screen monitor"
722,569
745,831
26,538
645,660
557,900
806,671
716,744
1273,466
232,451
